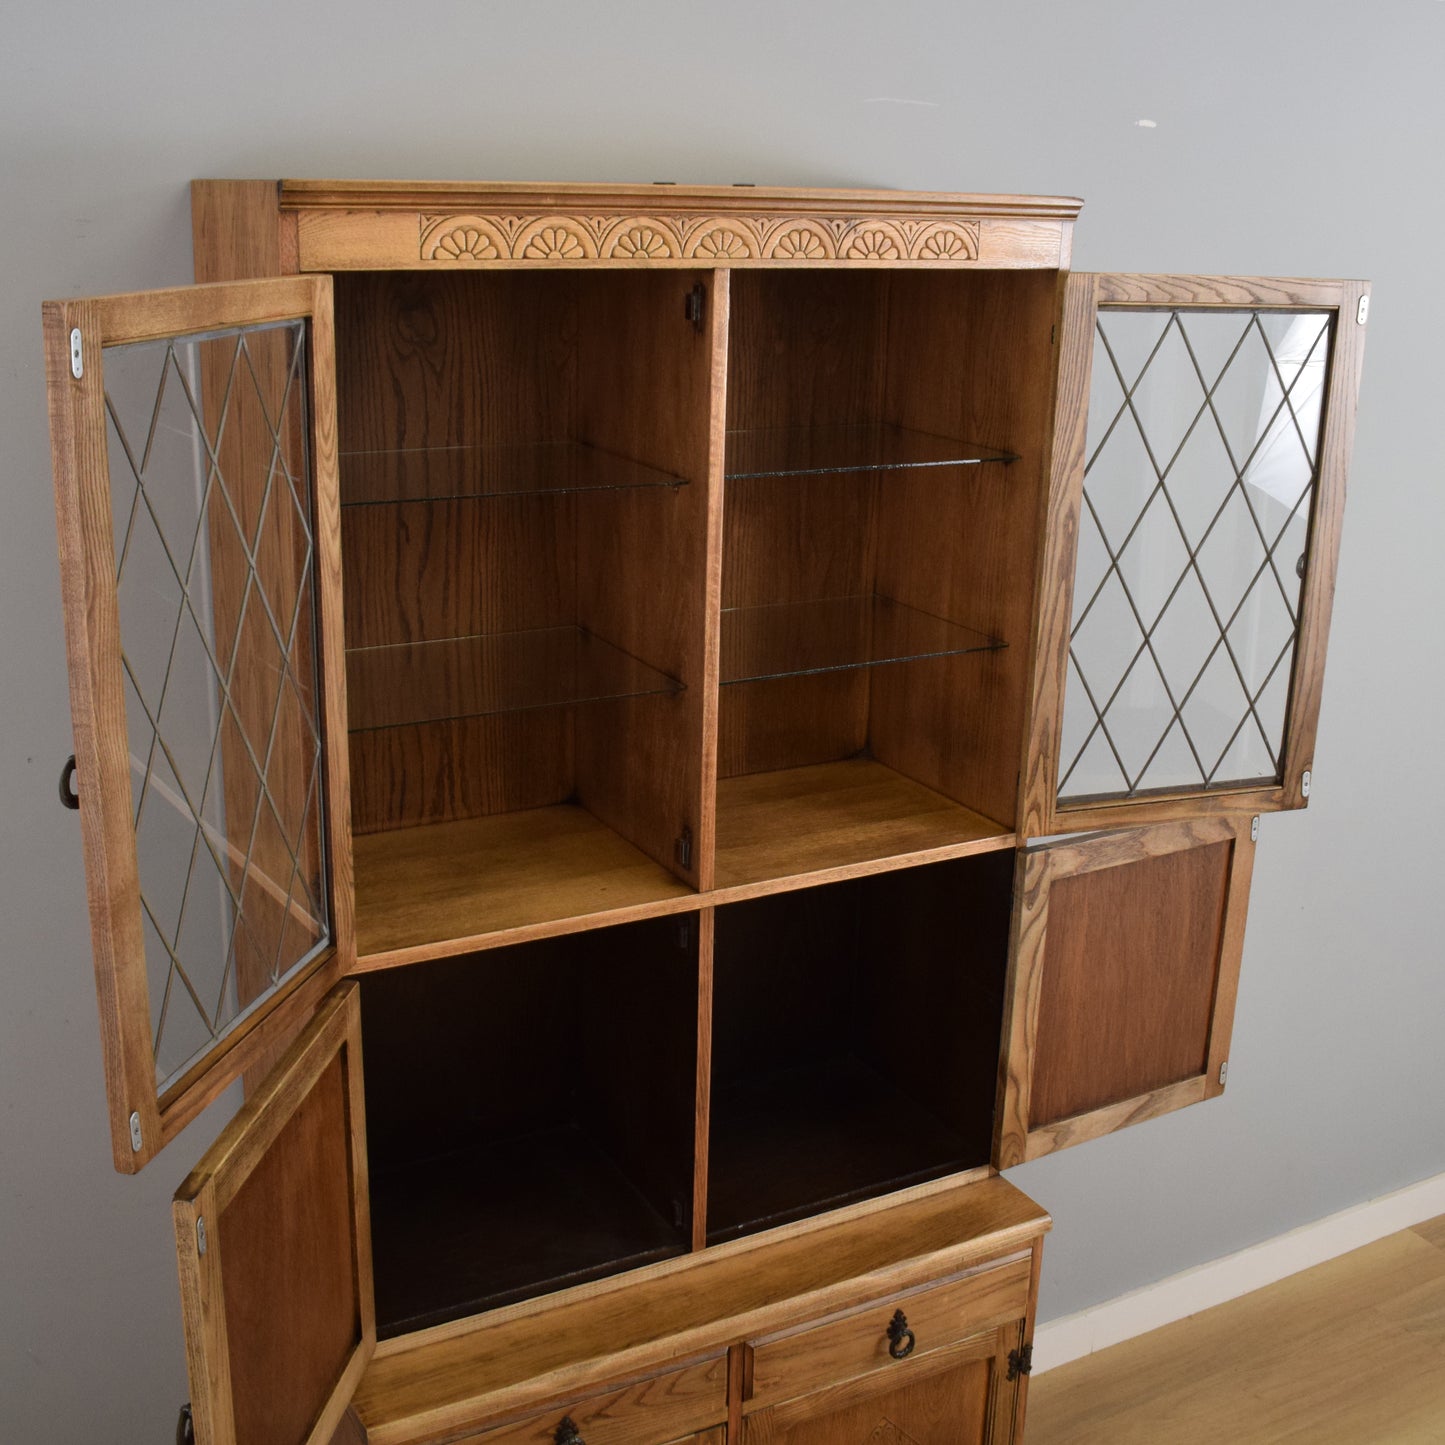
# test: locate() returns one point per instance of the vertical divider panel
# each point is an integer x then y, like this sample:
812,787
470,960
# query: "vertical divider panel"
649,387
703,1112
968,356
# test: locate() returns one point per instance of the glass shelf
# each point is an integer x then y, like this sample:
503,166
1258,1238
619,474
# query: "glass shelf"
419,682
792,638
429,474
796,451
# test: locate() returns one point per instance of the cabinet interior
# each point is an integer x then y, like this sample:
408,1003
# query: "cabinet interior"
522,477
529,1117
855,1039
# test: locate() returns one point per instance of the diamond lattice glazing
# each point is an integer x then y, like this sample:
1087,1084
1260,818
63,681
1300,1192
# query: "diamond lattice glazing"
211,498
1202,450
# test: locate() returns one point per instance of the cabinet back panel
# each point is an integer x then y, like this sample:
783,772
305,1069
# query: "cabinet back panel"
1127,996
855,1039
533,1117
287,1239
970,356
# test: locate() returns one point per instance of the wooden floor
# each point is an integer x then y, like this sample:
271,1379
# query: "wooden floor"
1351,1352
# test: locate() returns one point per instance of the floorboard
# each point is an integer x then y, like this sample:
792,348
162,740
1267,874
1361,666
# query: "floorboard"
1351,1352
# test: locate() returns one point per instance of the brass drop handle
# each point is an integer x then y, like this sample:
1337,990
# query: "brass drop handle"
901,1339
568,1433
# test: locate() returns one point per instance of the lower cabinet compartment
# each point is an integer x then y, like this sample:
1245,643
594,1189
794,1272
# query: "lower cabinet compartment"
529,1118
855,1039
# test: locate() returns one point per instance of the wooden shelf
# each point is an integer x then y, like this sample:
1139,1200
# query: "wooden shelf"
836,815
442,889
802,1140
505,1220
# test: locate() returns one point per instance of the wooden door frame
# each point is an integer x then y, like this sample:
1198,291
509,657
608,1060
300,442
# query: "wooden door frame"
142,1120
1085,293
1016,1137
335,1031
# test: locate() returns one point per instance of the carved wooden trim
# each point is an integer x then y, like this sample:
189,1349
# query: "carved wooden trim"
466,238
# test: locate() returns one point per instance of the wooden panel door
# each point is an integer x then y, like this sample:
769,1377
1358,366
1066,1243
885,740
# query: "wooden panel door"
1202,434
193,440
1125,962
967,1394
273,1238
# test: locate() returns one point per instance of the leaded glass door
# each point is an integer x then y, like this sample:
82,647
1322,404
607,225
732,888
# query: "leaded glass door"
1202,434
193,443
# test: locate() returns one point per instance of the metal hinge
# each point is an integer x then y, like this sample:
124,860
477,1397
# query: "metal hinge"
201,1234
684,848
135,1135
1305,781
693,303
1362,311
1021,1361
1254,829
1223,1072
186,1426
77,356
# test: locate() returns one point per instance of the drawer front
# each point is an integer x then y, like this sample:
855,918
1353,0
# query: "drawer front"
867,1340
653,1411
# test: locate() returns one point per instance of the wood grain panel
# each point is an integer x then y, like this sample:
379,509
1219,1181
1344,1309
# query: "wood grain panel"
237,231
939,1401
442,889
451,1378
1136,998
773,825
649,380
406,777
654,1409
801,1361
274,1246
1130,967
963,542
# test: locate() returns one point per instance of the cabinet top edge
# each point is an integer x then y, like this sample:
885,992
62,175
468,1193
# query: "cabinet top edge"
382,195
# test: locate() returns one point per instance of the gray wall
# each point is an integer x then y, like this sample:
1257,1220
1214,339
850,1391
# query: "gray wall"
1291,138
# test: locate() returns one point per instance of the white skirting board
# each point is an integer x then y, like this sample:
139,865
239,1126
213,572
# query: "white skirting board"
1184,1294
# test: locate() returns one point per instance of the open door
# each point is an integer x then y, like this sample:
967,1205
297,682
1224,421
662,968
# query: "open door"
1125,963
1202,433
193,439
273,1238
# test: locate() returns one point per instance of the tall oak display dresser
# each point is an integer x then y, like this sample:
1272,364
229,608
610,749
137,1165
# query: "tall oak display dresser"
667,734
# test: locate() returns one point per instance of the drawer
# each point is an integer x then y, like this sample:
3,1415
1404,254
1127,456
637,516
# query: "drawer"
843,1347
651,1411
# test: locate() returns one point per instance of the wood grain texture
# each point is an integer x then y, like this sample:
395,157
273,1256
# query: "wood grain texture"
833,815
798,1362
236,231
419,1388
349,225
1040,812
961,543
655,1408
649,381
1125,967
279,1320
1058,552
442,889
79,449
942,1400
1345,1352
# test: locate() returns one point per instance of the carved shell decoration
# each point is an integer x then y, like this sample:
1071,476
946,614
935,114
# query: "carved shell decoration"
460,240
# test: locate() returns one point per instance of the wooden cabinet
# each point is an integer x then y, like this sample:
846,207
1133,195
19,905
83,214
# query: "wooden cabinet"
607,656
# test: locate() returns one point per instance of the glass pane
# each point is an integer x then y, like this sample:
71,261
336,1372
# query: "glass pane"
790,451
421,474
789,638
211,492
458,677
1202,450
